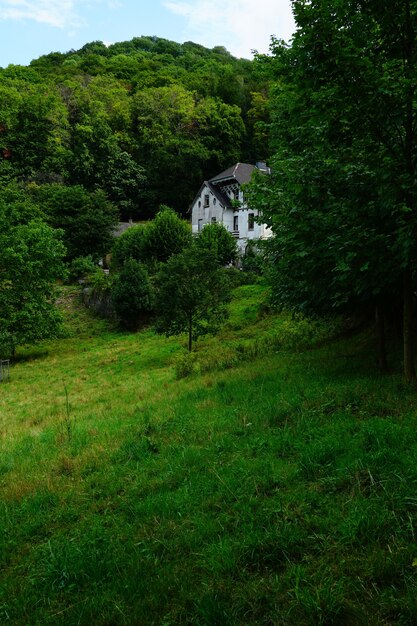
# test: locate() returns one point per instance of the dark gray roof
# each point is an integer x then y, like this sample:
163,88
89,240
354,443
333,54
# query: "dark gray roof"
221,197
122,228
216,191
241,172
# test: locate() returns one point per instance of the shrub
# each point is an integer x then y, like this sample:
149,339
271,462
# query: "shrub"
81,268
167,235
132,293
185,364
130,245
253,259
216,238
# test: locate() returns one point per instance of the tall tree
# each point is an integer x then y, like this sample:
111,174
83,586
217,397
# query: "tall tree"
31,256
341,199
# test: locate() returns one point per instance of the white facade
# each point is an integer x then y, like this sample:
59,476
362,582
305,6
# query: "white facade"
221,200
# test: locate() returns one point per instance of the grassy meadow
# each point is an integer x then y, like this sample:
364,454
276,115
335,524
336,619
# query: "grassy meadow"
270,479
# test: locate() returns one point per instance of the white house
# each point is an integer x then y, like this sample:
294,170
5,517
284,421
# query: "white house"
221,200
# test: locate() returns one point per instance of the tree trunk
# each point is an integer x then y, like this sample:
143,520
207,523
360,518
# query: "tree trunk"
408,327
409,146
190,333
380,329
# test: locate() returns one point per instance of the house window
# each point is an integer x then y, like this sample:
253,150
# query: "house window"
251,221
213,220
200,225
235,222
199,203
236,194
206,200
214,200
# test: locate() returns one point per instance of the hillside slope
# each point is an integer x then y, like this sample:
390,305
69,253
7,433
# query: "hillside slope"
274,485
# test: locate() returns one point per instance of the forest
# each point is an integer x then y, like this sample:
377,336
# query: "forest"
143,121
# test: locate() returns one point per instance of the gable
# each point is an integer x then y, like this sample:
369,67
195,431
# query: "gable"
240,172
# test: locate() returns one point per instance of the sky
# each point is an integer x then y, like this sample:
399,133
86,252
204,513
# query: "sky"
31,28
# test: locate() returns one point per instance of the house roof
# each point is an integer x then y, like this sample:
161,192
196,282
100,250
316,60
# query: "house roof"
241,172
121,228
216,191
221,197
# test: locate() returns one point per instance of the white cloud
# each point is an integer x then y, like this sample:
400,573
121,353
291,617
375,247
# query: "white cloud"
57,13
239,25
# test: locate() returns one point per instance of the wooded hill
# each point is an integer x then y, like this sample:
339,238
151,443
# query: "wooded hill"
145,121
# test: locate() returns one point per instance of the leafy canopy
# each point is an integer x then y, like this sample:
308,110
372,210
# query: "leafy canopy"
192,293
220,241
31,260
132,293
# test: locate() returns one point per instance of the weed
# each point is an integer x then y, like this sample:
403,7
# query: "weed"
185,364
68,422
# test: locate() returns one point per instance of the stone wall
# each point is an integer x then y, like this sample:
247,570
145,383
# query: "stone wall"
99,301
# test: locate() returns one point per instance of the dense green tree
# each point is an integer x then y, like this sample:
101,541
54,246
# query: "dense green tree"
31,260
132,293
220,241
178,134
166,235
37,137
87,219
192,293
145,121
341,199
129,245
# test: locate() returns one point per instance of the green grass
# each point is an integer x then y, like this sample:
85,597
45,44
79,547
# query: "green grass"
276,485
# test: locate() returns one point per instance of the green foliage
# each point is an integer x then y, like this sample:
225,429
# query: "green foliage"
166,235
216,237
341,198
144,120
100,282
254,259
81,267
31,261
130,245
154,242
132,293
192,291
206,130
87,218
7,346
36,136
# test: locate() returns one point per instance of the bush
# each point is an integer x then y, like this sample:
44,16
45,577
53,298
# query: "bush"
99,281
81,268
253,259
216,238
132,293
6,345
130,245
185,364
167,235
